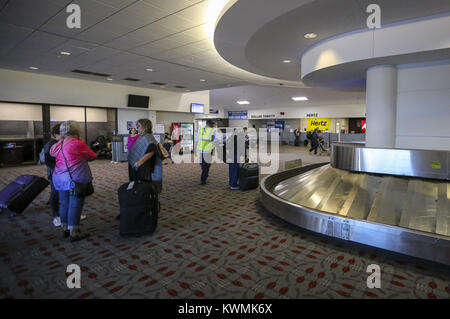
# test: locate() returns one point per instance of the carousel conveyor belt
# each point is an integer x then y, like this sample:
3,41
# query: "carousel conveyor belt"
403,214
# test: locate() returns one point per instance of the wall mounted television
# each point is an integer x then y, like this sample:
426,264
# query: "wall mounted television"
197,108
138,101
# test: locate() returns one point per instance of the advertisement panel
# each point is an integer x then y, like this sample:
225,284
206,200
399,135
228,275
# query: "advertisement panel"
323,124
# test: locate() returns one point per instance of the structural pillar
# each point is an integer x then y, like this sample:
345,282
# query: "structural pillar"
381,106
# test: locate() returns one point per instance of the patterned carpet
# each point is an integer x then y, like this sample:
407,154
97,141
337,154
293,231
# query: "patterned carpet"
211,242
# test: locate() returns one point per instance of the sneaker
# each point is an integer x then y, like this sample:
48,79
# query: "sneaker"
57,222
235,187
83,217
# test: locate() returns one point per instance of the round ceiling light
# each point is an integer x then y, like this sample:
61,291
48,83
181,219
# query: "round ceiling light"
149,70
287,61
310,35
65,53
33,68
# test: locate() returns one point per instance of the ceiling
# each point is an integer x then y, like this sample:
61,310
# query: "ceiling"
275,32
120,39
261,97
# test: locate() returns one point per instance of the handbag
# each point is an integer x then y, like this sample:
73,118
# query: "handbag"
163,154
79,189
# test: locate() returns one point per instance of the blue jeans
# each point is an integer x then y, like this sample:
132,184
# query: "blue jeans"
70,209
233,174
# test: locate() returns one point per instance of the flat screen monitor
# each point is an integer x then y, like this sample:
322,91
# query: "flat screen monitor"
197,108
138,101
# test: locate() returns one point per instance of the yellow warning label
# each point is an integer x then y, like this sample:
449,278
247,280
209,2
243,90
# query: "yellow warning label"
436,165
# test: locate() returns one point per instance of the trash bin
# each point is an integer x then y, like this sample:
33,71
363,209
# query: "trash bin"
12,155
118,150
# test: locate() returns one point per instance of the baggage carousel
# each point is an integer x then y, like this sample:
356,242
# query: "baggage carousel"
398,200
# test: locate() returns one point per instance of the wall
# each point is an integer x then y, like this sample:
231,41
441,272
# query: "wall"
423,106
30,87
20,112
123,116
331,111
167,118
238,123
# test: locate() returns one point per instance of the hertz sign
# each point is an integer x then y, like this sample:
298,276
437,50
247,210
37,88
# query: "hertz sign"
322,124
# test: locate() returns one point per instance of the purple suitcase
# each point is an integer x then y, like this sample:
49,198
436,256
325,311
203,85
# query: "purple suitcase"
16,196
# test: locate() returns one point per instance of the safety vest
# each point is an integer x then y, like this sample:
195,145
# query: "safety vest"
205,143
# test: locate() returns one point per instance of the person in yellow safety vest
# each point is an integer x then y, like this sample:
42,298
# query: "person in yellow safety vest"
205,148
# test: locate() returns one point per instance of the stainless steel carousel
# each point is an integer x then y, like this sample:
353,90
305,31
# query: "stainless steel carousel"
393,199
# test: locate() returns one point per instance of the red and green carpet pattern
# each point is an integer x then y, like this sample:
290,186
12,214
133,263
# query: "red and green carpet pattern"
211,242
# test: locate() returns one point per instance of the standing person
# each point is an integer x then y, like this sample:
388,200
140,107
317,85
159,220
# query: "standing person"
50,162
247,144
205,148
132,138
297,137
232,160
168,146
146,166
314,141
72,156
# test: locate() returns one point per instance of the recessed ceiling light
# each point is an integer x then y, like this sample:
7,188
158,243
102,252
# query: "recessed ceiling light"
149,70
202,80
109,79
243,102
65,53
287,61
188,90
310,35
300,98
33,68
162,86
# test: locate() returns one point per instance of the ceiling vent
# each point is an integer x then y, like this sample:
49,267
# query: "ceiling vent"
91,73
158,83
179,87
132,79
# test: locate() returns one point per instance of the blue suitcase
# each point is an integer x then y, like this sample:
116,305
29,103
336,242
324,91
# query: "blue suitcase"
16,196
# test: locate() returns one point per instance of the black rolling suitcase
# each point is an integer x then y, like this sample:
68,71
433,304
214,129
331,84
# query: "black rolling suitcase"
248,176
139,208
17,195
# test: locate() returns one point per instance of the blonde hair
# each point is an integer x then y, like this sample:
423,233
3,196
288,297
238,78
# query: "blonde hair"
146,124
70,129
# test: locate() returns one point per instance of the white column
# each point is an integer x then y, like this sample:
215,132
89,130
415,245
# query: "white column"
381,106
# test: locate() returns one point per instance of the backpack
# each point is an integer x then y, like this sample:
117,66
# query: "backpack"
162,152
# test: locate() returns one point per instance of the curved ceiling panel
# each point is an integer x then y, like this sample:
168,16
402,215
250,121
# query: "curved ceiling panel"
274,32
343,60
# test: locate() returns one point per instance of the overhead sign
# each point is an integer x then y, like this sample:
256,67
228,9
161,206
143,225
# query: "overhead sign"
279,124
322,124
238,115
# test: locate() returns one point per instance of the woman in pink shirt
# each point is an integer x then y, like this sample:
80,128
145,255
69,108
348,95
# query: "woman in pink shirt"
72,154
132,138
